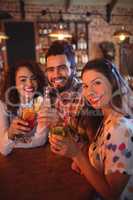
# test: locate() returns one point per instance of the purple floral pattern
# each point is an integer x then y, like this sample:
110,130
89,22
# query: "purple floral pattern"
113,151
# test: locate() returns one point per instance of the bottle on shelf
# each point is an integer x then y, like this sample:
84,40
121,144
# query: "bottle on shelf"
82,44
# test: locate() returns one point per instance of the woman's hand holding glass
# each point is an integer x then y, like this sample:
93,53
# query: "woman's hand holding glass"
18,127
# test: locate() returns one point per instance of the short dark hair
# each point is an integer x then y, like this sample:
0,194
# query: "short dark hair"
62,47
10,81
107,69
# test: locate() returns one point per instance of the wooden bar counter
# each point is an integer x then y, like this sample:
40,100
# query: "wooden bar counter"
39,174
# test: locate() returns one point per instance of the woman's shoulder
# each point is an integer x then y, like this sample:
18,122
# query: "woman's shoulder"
122,125
3,110
2,105
125,122
118,120
120,134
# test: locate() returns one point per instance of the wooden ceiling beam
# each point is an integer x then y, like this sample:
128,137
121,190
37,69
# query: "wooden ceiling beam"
22,9
67,4
112,4
109,8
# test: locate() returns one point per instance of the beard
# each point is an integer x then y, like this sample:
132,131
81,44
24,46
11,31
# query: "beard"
58,82
66,83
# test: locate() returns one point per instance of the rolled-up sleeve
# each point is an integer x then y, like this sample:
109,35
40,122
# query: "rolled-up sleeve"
6,145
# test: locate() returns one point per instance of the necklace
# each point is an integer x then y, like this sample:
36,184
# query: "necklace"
103,124
99,130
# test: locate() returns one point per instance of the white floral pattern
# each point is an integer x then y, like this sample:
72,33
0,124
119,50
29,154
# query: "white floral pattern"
112,150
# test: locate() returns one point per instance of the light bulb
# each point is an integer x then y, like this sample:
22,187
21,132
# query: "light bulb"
122,37
60,37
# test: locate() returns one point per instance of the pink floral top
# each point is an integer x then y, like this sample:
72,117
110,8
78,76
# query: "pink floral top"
112,150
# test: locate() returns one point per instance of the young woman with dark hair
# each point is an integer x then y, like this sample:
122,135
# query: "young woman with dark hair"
22,94
108,167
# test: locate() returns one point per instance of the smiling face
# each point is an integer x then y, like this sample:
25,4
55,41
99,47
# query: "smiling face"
96,89
26,83
58,70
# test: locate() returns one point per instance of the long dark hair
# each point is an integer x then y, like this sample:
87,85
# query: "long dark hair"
10,82
109,71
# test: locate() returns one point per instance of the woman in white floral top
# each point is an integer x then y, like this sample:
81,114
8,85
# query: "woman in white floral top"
108,167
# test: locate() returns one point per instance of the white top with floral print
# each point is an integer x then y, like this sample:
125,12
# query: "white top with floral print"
112,150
